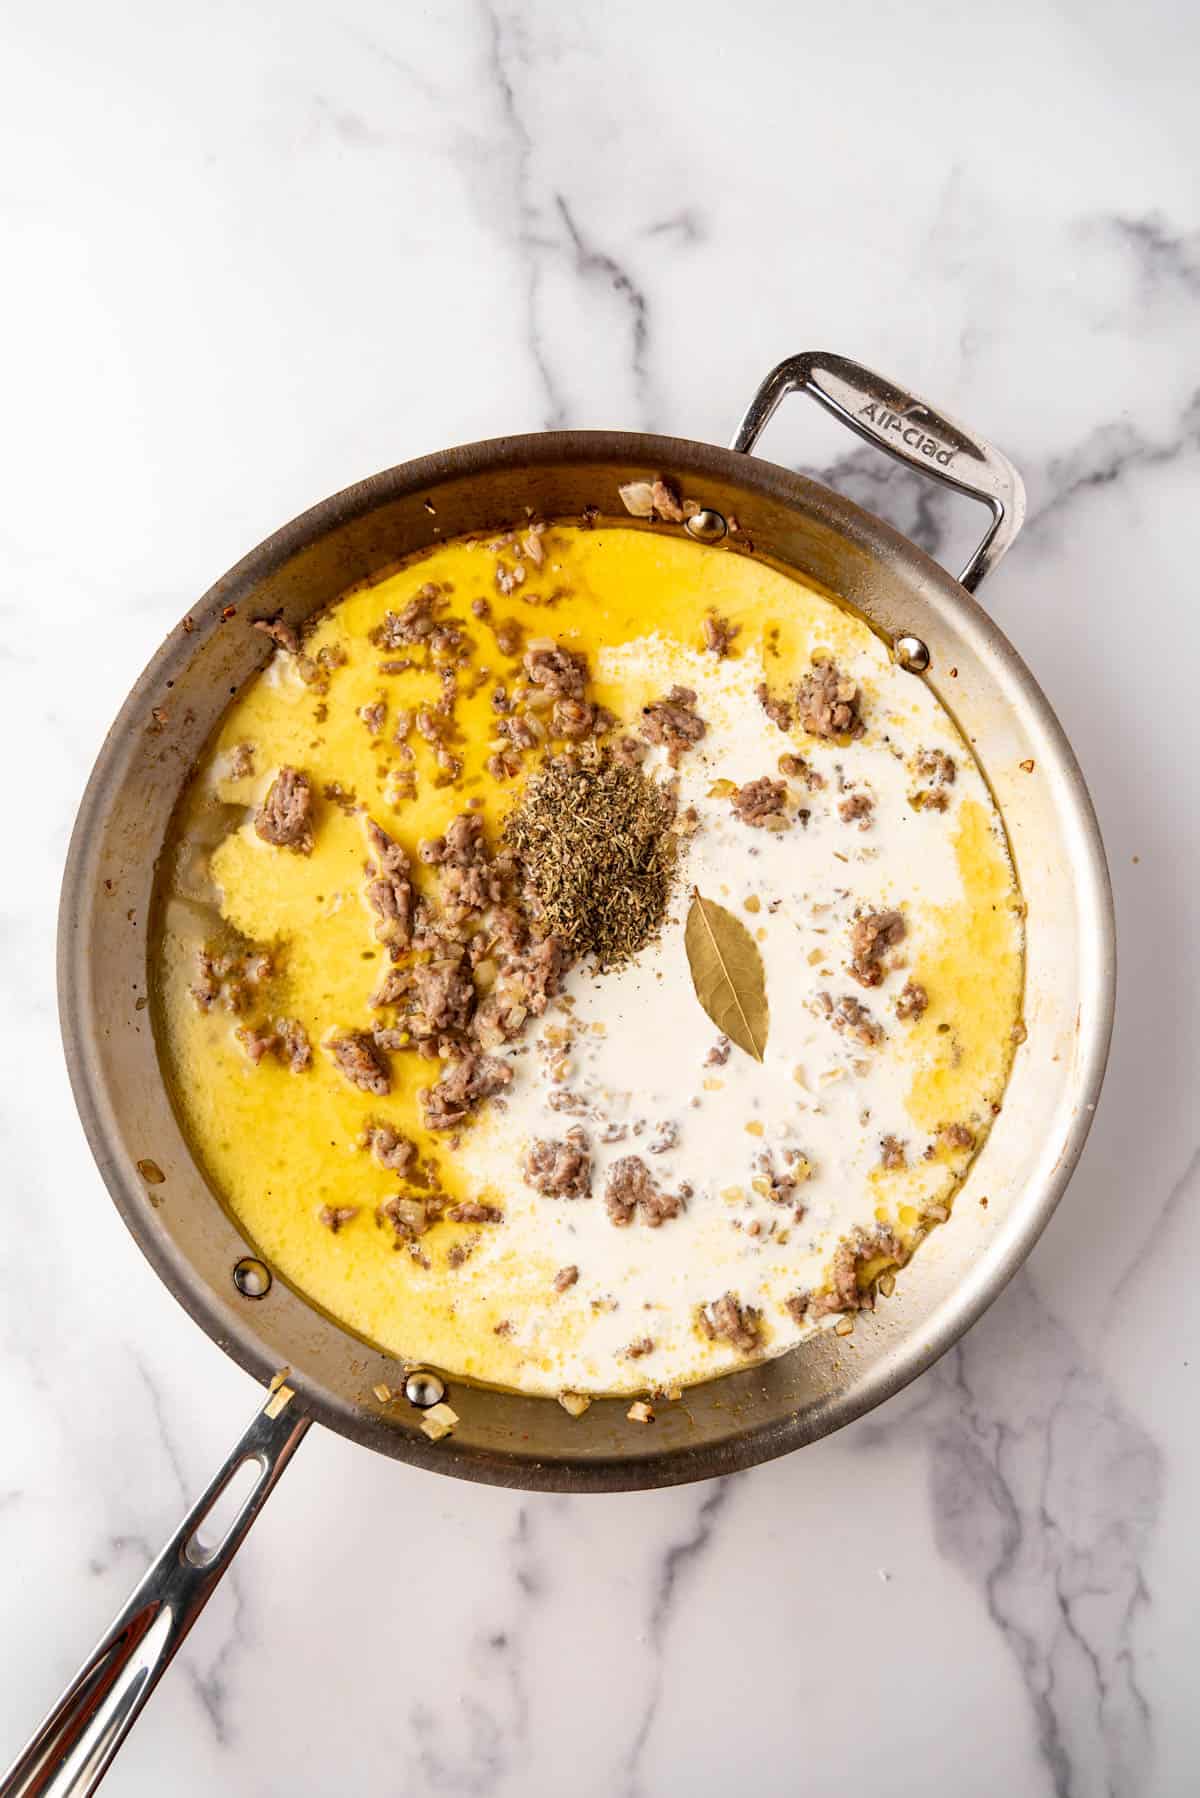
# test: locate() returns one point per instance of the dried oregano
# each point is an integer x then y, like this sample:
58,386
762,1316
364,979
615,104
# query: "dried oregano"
597,850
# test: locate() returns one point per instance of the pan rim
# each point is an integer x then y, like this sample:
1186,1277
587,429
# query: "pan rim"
756,1442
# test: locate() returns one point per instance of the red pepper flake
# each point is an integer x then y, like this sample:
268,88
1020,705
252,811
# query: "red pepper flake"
228,612
954,674
189,624
1028,765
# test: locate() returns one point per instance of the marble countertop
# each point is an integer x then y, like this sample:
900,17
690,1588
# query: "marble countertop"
255,252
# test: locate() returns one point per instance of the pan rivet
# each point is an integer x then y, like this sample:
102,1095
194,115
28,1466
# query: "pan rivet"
424,1389
912,654
706,526
252,1277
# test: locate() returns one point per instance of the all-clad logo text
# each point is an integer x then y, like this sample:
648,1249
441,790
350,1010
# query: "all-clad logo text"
910,433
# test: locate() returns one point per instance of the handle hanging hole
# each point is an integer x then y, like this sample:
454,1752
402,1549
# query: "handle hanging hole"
215,1527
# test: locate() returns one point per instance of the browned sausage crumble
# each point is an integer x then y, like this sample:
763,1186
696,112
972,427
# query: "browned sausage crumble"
391,1148
913,1000
560,1169
359,1059
761,803
284,819
284,1039
872,935
829,702
334,1216
857,808
938,771
229,978
630,1189
718,634
727,1320
779,711
854,1253
462,1086
470,1211
280,632
891,1153
955,1136
673,722
851,1018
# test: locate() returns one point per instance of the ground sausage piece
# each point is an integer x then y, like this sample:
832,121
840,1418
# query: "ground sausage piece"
939,771
856,808
872,934
334,1216
565,1277
419,623
374,716
560,1169
629,752
891,1153
761,803
797,1306
635,1350
559,672
411,1218
391,1148
936,765
241,761
851,1018
630,1188
718,1055
718,634
294,1046
284,819
912,1001
390,891
673,721
471,1212
852,1253
828,702
256,1042
280,632
727,1320
443,996
777,710
667,504
462,1086
957,1136
229,978
572,719
361,1061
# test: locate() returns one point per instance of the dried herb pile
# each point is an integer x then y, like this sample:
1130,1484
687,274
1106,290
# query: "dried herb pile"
597,852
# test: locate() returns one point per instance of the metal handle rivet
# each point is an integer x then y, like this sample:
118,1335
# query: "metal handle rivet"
424,1389
706,526
912,654
252,1277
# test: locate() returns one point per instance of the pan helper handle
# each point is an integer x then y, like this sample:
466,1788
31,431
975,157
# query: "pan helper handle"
909,429
71,1752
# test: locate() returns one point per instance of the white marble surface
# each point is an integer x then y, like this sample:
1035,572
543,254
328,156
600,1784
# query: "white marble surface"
255,251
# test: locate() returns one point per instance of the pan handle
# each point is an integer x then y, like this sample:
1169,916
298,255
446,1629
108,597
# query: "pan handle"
908,429
71,1752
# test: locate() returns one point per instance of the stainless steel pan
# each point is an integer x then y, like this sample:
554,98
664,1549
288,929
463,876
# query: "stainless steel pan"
106,927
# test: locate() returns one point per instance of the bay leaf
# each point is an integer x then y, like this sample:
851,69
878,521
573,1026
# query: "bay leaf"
727,973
